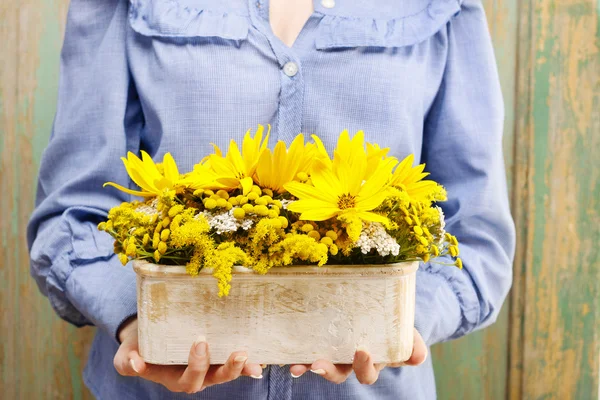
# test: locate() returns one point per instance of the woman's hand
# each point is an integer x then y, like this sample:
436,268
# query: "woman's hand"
194,377
366,372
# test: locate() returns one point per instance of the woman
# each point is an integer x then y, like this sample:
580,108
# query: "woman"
418,76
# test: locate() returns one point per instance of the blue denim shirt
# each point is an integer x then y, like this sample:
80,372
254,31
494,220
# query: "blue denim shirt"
418,76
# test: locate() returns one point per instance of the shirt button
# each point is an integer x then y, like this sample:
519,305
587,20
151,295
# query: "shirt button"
290,69
328,3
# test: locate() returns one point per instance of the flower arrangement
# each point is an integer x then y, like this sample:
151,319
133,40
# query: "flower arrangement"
265,208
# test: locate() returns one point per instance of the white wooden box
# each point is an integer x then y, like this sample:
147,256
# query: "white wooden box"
292,315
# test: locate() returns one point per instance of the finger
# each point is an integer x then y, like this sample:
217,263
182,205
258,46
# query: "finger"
136,366
336,373
229,371
166,375
252,370
297,370
419,354
121,362
127,360
365,370
192,379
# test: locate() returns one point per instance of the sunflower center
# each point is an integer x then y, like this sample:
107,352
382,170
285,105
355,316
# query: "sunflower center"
346,201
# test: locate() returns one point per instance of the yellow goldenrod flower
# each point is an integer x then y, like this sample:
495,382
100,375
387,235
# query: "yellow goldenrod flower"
237,168
146,174
123,258
239,213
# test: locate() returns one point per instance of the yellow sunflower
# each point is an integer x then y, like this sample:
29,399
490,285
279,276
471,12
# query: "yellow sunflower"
201,177
236,169
148,176
410,179
346,148
339,189
283,165
375,155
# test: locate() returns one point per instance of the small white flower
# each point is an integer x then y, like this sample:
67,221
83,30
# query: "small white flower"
442,217
442,224
374,236
149,209
226,222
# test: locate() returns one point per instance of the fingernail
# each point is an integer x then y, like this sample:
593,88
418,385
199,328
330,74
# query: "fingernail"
319,371
363,353
295,376
132,363
239,360
200,347
256,376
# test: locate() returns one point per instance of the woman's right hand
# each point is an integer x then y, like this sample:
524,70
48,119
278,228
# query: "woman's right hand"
194,377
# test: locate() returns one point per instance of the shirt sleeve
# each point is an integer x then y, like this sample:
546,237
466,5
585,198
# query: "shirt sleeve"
463,151
98,119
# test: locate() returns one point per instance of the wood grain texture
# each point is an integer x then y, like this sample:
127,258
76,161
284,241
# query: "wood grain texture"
41,357
292,315
476,366
554,341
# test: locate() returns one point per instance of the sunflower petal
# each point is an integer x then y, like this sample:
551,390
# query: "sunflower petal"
148,165
321,152
234,156
325,180
126,190
301,206
138,177
402,170
373,217
303,191
170,167
319,215
313,210
246,183
371,202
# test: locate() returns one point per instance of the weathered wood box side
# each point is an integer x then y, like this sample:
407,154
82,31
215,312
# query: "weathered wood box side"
290,315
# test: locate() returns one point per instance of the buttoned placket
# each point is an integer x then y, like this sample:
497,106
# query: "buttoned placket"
291,96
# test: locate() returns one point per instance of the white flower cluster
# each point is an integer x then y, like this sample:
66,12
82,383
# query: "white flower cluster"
374,236
226,222
442,217
442,224
149,209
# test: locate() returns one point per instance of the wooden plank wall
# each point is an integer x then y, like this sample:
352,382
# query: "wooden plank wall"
41,357
548,333
555,323
545,344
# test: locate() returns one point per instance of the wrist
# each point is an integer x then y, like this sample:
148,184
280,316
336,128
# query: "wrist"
126,327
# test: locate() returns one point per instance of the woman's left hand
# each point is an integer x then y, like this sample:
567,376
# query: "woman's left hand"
366,371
